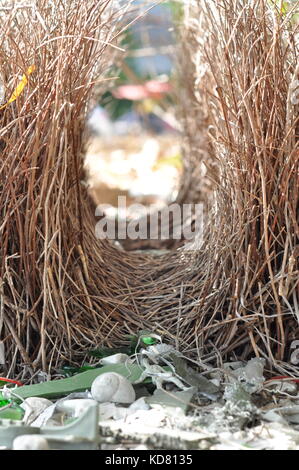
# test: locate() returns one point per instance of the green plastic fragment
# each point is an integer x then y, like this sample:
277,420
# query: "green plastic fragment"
179,399
13,412
81,434
9,409
148,340
78,383
10,429
4,403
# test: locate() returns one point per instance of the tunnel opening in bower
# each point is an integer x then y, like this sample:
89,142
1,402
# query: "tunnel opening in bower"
63,291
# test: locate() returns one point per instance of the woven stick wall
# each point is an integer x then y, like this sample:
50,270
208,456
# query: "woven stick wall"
62,291
244,70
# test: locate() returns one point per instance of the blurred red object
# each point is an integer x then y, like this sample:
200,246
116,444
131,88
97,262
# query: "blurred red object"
150,89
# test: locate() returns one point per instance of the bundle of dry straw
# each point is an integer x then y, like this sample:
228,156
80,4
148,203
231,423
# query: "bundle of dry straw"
62,291
52,55
244,71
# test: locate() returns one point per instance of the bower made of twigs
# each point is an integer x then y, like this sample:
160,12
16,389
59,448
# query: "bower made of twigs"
62,292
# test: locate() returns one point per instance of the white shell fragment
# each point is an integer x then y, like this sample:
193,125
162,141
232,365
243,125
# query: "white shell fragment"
118,358
139,404
112,387
33,407
75,407
30,442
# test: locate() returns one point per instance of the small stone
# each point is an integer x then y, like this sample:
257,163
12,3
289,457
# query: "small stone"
30,442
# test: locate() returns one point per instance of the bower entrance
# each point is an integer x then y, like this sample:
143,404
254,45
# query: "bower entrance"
64,292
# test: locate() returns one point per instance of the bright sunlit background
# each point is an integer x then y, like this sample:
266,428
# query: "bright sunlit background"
135,146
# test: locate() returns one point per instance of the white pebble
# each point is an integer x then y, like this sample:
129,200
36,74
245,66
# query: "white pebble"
30,442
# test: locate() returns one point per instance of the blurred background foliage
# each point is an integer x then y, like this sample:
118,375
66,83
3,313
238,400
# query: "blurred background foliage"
150,47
